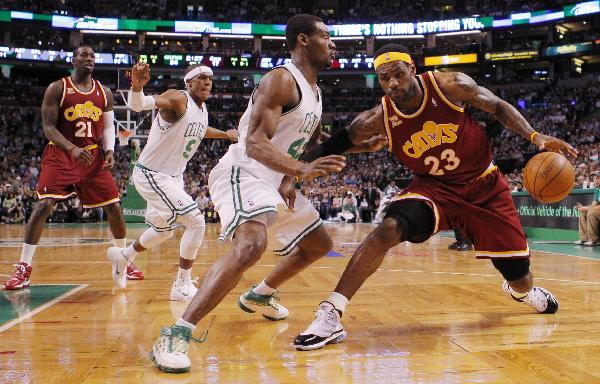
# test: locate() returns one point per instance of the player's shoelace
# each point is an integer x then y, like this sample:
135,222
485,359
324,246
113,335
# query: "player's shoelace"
179,341
538,300
324,322
267,301
19,271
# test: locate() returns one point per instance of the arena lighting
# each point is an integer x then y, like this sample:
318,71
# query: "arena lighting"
175,34
458,33
273,37
100,32
229,36
401,37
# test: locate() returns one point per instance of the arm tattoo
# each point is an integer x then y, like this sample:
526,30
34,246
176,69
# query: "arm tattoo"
513,120
482,98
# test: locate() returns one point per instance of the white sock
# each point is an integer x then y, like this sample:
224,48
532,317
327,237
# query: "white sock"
338,300
185,274
130,253
121,243
263,289
518,295
27,253
182,323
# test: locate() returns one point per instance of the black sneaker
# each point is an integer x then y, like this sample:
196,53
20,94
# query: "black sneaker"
325,329
538,298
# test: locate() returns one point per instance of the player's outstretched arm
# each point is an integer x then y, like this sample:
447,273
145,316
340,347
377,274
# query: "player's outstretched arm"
137,101
213,133
366,133
276,91
50,109
461,87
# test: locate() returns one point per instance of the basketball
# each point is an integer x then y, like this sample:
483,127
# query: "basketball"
549,177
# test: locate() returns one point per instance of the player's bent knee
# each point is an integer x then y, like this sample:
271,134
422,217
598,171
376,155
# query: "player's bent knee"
193,220
415,219
249,252
512,269
388,233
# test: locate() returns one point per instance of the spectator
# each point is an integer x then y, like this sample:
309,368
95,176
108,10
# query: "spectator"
589,220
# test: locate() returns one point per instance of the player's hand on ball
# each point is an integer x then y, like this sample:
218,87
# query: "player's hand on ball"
323,166
232,135
287,190
82,155
553,144
140,75
109,160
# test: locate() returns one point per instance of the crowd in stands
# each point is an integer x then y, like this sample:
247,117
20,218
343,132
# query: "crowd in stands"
278,11
569,113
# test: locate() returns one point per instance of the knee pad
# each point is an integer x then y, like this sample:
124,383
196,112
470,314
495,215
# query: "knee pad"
512,269
415,217
192,236
194,219
151,238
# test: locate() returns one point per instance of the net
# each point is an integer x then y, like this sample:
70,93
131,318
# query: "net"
124,135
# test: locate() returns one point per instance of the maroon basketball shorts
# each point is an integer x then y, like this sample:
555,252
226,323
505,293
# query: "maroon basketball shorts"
483,209
62,177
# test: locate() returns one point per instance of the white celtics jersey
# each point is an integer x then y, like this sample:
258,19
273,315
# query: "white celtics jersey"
293,132
171,145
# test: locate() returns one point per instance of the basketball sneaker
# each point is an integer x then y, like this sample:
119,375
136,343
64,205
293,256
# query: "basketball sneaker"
325,329
538,298
119,266
133,273
458,246
183,290
20,277
170,350
267,305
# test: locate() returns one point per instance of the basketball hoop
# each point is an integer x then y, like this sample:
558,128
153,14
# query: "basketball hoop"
124,135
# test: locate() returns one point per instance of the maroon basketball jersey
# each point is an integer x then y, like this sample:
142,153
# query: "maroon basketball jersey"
439,140
80,113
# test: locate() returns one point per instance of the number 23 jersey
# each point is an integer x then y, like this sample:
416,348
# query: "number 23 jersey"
440,139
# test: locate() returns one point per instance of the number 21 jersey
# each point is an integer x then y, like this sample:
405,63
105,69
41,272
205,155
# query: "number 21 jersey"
80,113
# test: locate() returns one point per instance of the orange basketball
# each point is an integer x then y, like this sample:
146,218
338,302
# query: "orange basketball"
549,177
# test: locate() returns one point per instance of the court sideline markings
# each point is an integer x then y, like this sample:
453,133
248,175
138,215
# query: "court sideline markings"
42,307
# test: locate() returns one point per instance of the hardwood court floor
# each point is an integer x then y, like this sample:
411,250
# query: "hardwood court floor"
428,316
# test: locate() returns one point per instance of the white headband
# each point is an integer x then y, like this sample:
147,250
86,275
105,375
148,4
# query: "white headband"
200,70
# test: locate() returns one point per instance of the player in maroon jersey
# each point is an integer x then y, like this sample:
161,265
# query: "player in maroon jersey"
78,121
456,183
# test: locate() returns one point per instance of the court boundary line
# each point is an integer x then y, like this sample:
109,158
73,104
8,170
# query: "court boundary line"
10,324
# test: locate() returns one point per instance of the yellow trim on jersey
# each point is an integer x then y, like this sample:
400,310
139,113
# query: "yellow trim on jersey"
64,92
81,92
425,97
523,252
388,57
86,148
101,204
441,94
490,169
417,196
387,126
51,196
103,93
